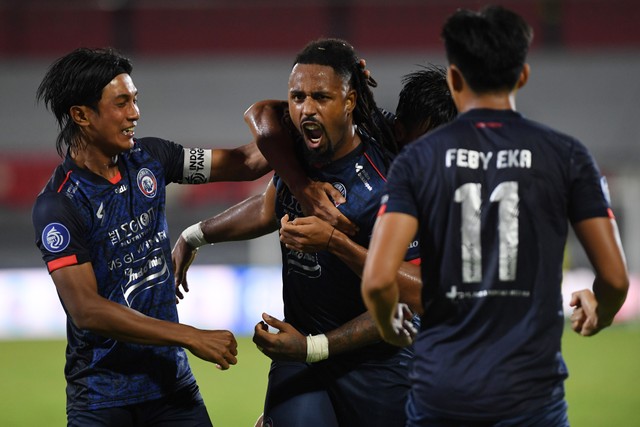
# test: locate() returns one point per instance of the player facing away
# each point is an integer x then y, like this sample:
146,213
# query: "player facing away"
100,224
491,196
330,367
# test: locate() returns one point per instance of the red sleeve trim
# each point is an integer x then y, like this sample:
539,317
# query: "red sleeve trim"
61,262
382,210
66,178
610,212
416,261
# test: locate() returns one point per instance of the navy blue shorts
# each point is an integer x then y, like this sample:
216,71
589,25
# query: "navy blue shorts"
184,408
336,393
552,415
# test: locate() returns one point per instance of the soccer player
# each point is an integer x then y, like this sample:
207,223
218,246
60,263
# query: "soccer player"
491,195
424,103
100,224
327,356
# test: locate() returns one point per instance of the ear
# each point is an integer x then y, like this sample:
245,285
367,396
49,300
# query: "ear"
350,102
80,115
524,76
454,79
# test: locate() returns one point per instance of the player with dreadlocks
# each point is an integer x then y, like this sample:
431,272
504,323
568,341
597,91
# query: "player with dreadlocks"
329,367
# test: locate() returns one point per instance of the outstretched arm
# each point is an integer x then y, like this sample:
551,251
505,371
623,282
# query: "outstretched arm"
311,234
244,163
77,288
594,309
251,218
273,132
391,237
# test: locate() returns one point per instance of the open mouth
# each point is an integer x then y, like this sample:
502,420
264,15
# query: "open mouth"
129,132
313,132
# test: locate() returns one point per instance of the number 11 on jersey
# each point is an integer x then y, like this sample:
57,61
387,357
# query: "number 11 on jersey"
470,197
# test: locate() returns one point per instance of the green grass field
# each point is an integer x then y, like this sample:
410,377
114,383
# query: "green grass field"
603,389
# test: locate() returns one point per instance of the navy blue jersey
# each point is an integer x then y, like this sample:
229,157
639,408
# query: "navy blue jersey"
321,292
493,193
120,228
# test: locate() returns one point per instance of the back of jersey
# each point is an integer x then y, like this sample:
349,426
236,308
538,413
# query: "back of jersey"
493,193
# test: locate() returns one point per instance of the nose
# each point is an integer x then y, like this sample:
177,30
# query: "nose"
134,111
308,107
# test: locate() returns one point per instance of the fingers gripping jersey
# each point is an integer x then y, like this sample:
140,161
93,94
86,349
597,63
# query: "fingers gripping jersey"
120,228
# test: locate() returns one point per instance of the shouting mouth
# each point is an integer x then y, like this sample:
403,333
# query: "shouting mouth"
313,133
129,132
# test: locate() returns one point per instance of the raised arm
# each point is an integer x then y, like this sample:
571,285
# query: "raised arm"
594,309
273,133
311,234
77,288
244,163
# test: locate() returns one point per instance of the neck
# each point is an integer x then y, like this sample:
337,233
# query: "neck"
493,101
102,165
351,142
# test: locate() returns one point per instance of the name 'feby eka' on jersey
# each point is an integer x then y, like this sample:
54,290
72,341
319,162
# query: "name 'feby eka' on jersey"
320,291
120,228
492,192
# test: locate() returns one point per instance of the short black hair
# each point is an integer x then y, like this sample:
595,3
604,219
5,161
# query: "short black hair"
489,47
78,78
425,100
341,56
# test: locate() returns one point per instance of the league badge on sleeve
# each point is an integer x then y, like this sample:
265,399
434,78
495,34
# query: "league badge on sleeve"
55,237
147,183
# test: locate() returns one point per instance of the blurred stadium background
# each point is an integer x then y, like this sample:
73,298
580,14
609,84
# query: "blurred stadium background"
198,64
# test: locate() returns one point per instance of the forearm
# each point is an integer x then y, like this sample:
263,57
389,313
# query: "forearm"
354,256
246,220
610,299
355,334
244,163
381,302
116,321
266,120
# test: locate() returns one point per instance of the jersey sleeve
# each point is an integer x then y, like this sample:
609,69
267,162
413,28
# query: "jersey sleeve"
399,196
589,194
170,154
59,232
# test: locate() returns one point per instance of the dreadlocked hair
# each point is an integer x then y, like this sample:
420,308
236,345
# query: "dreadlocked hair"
341,56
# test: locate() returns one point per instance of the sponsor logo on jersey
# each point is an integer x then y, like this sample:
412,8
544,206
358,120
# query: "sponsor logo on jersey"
364,176
100,212
55,237
121,189
147,183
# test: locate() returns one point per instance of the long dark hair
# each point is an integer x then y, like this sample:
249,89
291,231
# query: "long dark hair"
78,78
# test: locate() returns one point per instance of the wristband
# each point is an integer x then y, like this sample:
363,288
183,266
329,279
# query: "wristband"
317,348
194,236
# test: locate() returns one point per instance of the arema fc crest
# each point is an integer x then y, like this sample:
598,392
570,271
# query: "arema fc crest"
147,183
341,188
55,237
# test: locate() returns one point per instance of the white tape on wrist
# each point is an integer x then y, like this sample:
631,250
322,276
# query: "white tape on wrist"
317,348
194,236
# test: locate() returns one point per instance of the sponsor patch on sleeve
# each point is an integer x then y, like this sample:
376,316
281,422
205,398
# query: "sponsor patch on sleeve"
197,165
55,237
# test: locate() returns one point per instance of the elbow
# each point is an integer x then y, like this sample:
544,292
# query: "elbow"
375,286
85,319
